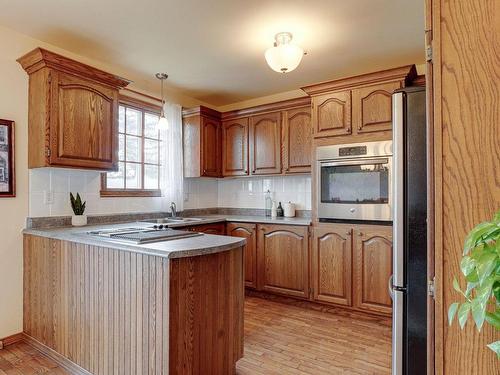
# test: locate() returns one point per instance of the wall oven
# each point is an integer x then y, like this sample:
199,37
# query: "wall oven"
354,182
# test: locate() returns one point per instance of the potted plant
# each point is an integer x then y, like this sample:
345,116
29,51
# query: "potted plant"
78,219
480,265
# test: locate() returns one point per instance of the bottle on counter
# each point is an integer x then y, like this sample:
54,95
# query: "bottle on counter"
268,203
279,211
274,209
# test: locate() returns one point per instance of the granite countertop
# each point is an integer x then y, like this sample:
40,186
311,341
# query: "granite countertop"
179,248
207,219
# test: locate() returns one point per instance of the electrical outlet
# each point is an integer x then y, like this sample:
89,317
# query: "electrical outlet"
48,197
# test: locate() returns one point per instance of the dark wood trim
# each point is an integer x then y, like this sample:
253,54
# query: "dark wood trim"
12,158
40,58
12,339
406,73
139,104
201,111
53,355
270,107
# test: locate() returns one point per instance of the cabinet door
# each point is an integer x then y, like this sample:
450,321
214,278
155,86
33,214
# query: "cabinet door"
372,107
331,114
235,147
297,136
282,256
84,123
246,230
211,147
373,268
265,143
331,267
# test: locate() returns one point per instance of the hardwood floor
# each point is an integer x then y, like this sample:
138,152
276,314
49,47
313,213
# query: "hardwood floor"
279,339
283,339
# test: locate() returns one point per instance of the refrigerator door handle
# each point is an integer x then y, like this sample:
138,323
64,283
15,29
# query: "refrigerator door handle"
397,332
389,287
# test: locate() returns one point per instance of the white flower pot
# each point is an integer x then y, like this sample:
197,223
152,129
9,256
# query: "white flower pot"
79,220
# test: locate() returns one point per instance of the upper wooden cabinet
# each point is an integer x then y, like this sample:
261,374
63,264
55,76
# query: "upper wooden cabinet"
235,147
331,263
332,114
352,107
373,109
373,268
283,259
297,140
265,143
72,114
202,142
248,231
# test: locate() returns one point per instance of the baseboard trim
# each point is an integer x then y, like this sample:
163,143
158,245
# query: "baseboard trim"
12,339
312,305
62,361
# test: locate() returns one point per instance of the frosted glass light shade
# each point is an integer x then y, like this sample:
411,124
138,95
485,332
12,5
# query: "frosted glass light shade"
284,56
162,123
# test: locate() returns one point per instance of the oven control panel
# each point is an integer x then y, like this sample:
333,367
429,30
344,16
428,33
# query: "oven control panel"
352,151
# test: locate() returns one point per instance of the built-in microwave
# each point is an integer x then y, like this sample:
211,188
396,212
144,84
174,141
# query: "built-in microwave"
354,181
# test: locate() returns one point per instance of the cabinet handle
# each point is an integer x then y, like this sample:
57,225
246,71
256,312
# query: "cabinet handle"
348,233
360,234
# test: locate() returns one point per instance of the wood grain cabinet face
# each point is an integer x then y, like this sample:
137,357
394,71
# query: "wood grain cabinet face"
248,231
331,266
282,258
235,147
297,140
373,268
211,147
265,143
372,107
332,114
215,228
83,127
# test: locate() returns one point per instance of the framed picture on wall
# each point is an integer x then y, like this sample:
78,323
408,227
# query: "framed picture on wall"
7,169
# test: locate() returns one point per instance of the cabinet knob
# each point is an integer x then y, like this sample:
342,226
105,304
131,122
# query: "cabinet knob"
348,233
360,234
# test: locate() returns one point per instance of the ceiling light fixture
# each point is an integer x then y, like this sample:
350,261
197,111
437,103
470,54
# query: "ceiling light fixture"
162,123
284,56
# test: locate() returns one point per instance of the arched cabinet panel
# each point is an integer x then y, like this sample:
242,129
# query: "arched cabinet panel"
332,114
247,231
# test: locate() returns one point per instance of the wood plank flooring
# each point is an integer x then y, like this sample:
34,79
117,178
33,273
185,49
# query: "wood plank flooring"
279,339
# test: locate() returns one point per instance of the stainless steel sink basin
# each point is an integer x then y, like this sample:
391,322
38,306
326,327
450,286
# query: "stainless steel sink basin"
170,220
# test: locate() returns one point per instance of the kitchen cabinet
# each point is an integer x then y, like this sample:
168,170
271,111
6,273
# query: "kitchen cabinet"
297,140
332,114
202,142
357,108
372,248
247,231
331,263
235,147
72,113
265,143
372,107
283,259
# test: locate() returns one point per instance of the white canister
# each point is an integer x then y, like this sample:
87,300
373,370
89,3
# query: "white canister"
289,209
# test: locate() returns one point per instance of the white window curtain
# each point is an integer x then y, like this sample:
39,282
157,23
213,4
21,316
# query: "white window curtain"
172,173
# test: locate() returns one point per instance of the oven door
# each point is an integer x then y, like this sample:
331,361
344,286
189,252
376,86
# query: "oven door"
355,189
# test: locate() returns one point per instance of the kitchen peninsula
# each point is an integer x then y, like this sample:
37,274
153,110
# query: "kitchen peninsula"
100,306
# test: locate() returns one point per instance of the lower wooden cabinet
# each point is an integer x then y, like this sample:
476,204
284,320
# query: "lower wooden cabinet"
331,264
215,228
372,268
351,266
248,231
282,259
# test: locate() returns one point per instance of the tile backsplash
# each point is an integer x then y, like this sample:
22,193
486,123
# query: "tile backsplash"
49,193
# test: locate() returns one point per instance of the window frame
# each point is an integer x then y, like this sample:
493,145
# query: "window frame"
143,107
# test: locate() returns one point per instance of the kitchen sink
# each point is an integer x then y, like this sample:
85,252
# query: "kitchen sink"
173,220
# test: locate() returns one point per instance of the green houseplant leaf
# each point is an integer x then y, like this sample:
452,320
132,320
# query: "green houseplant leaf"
480,266
76,204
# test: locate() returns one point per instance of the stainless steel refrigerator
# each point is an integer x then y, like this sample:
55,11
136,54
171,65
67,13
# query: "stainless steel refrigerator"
409,280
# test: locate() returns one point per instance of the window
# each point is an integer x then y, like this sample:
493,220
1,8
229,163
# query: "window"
139,152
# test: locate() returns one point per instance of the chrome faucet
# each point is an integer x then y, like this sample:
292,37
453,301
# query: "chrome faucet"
173,209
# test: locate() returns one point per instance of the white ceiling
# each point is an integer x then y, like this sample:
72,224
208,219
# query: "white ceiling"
213,50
